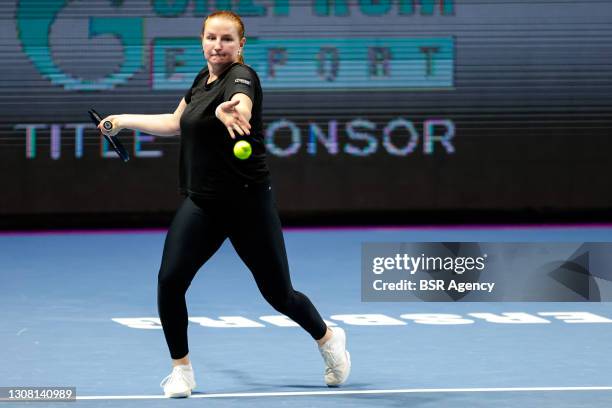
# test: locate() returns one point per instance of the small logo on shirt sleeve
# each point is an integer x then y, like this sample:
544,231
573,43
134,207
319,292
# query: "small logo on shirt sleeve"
242,81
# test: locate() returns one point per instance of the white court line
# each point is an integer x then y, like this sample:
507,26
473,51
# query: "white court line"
350,392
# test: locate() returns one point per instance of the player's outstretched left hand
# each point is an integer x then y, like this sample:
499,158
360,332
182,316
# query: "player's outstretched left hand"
232,118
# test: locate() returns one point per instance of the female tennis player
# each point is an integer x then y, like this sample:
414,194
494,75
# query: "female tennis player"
225,198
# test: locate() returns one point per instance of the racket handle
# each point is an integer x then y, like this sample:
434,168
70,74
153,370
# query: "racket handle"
96,118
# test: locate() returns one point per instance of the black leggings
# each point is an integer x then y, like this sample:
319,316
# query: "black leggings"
250,221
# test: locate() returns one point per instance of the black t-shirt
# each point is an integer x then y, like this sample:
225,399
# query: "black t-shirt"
208,167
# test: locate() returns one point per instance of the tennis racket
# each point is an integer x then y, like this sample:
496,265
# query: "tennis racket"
96,118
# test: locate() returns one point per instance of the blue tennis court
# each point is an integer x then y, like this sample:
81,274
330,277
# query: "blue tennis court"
79,309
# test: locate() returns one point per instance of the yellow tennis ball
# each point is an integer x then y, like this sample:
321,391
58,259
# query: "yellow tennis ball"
242,150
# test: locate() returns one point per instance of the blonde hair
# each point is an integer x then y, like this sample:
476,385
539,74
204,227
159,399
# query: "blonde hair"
235,18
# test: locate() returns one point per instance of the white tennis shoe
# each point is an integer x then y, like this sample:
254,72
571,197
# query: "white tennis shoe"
179,383
337,359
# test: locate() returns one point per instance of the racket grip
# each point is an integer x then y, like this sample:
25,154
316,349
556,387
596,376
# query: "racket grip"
108,125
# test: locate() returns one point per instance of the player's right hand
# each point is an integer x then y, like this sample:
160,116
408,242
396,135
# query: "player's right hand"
114,120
